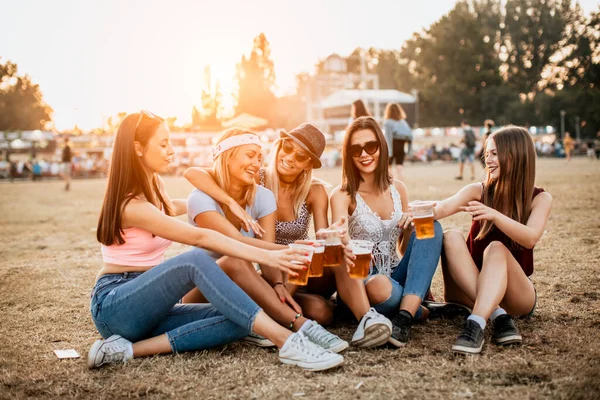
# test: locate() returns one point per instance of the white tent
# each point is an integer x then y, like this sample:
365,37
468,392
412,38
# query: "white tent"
343,98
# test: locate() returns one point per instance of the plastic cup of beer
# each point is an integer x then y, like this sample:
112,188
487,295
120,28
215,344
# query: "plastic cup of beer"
334,253
362,250
422,212
316,265
302,278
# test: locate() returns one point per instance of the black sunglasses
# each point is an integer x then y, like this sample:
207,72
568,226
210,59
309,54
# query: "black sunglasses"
288,148
370,147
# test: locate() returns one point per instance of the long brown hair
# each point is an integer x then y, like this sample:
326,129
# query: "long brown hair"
512,192
359,109
127,177
222,176
350,174
394,111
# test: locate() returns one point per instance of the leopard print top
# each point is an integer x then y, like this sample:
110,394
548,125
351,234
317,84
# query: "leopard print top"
287,232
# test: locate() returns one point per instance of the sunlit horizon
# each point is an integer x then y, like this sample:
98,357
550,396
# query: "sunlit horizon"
94,60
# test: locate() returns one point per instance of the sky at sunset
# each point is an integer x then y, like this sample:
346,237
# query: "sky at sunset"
93,59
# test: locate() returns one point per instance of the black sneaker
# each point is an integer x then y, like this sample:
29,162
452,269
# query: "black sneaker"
470,340
446,310
401,324
505,332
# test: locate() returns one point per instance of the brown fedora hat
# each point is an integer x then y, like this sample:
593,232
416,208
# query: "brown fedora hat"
310,139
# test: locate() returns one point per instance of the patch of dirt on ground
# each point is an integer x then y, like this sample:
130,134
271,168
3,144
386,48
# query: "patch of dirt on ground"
49,257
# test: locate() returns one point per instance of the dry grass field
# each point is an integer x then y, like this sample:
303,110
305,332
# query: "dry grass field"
49,257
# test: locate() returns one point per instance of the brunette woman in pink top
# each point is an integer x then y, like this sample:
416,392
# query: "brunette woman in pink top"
135,302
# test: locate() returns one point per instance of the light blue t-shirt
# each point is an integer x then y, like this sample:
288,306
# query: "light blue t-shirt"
199,202
393,129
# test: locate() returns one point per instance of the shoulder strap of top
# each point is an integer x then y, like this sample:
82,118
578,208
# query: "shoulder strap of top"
361,205
536,191
262,177
396,198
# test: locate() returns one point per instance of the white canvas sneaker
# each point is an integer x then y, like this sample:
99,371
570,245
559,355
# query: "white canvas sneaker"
298,350
115,349
373,330
258,340
323,338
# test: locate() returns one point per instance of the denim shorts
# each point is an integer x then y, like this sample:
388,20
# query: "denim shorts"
467,154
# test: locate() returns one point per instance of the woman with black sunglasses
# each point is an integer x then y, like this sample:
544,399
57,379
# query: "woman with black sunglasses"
377,210
299,197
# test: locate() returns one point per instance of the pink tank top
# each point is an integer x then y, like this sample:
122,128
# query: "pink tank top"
140,249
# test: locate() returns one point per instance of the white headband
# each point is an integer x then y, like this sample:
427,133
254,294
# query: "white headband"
235,141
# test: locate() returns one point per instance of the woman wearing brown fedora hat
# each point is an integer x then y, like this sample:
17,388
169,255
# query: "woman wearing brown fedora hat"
299,196
237,159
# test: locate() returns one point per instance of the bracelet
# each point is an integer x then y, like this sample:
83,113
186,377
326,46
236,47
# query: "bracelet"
294,320
277,283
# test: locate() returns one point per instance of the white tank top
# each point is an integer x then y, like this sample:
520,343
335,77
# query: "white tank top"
364,224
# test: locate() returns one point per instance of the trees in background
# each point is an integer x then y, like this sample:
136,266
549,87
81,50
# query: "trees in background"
255,77
21,104
515,61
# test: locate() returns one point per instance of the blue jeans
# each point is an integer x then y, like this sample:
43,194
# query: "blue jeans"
414,273
140,305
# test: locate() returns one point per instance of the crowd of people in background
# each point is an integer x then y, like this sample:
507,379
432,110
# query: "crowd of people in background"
401,144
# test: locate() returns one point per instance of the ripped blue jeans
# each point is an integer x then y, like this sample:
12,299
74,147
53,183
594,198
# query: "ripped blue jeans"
414,273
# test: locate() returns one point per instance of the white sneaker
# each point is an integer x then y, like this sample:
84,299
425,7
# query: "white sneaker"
115,349
258,340
298,350
373,330
321,337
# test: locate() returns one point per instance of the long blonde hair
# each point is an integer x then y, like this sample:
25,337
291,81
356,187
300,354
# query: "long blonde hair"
222,176
512,192
302,183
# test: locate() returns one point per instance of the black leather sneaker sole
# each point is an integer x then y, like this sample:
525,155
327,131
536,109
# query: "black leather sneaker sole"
465,349
509,339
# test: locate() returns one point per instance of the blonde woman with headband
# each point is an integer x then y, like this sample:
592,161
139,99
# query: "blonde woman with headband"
238,159
299,197
134,303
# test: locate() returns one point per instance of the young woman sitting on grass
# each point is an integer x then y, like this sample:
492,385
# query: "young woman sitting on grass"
377,210
489,272
135,299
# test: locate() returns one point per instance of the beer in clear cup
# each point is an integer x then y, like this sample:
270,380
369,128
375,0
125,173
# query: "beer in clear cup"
316,265
422,212
362,250
334,253
302,278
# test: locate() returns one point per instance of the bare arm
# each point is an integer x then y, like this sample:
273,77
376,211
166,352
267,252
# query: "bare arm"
179,205
453,204
203,179
217,222
407,230
525,235
318,202
340,204
141,214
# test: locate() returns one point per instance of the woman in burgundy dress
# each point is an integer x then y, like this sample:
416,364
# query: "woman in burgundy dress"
490,271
